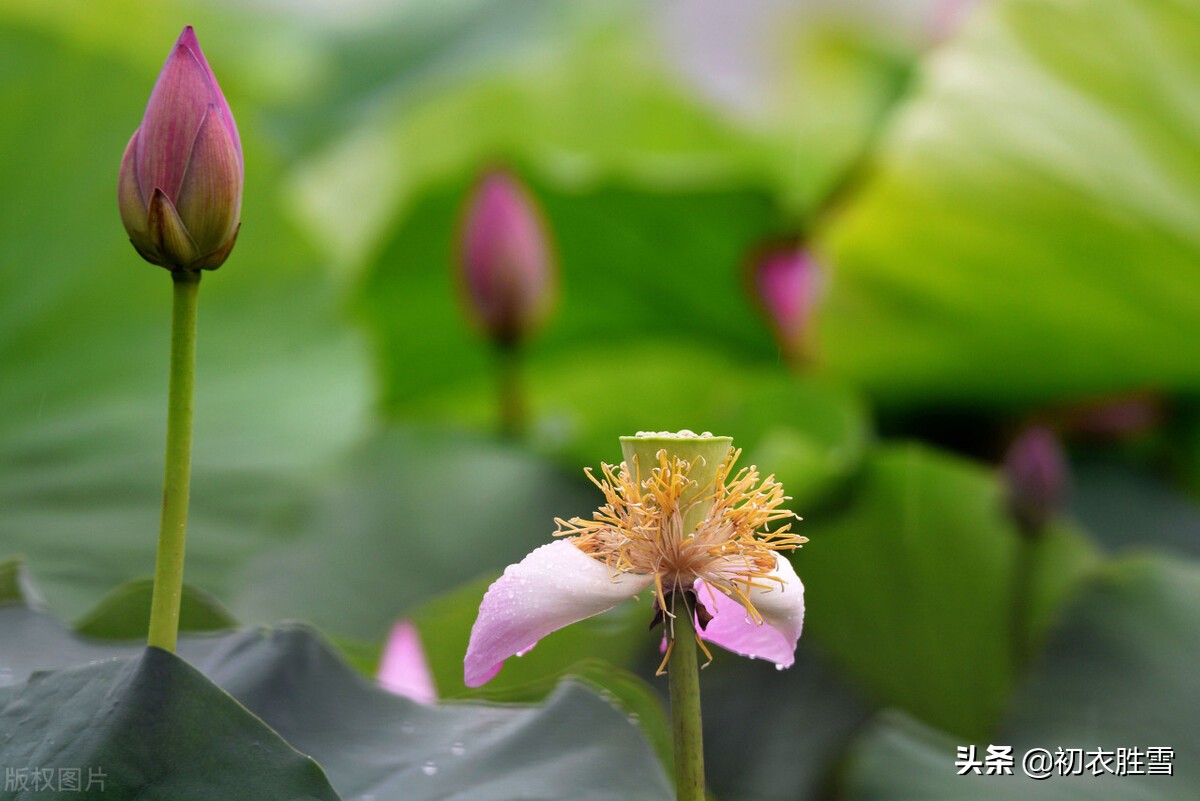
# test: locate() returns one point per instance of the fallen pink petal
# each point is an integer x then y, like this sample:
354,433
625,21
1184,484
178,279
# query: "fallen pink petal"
404,669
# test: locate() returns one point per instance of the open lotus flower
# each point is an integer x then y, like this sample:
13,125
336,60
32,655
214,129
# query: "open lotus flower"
675,519
180,187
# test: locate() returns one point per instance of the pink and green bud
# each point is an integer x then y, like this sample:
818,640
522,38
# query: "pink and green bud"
788,283
509,273
180,188
1035,471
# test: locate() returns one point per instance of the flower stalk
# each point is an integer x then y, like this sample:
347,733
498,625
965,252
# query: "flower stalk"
172,532
511,394
683,678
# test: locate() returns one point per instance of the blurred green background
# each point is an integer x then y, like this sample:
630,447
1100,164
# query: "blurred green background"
1020,241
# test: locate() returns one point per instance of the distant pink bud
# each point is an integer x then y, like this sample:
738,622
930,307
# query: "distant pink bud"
1035,471
403,670
1114,417
789,282
947,17
509,271
180,186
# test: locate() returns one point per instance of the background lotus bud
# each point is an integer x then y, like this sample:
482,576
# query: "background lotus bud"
1114,417
1035,471
948,17
509,271
180,188
788,282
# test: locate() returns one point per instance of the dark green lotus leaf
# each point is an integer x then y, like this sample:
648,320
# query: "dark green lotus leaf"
1118,673
373,743
1127,508
125,612
662,266
368,741
777,735
410,516
146,727
811,433
913,586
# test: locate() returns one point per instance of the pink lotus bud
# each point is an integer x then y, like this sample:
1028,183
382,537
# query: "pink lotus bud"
1036,473
948,17
1114,417
509,271
180,188
789,282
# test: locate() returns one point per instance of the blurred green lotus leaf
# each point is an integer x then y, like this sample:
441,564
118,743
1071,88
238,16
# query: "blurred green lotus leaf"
1117,673
1030,232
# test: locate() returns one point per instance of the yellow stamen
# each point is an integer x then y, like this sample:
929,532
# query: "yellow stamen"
662,666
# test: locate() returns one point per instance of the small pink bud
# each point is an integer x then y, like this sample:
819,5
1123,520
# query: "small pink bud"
180,187
947,17
509,271
1114,417
403,670
788,282
1035,470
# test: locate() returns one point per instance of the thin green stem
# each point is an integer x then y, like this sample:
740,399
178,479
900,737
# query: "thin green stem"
683,672
1024,564
511,396
172,532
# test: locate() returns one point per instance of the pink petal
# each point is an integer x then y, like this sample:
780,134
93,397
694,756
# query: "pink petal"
177,106
404,670
552,587
188,40
782,610
210,196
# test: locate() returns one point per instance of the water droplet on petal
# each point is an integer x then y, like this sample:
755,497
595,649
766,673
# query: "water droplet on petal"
429,768
780,667
458,749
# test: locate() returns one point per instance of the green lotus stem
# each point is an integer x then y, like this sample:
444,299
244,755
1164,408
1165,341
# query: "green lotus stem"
511,397
1024,566
172,532
683,672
